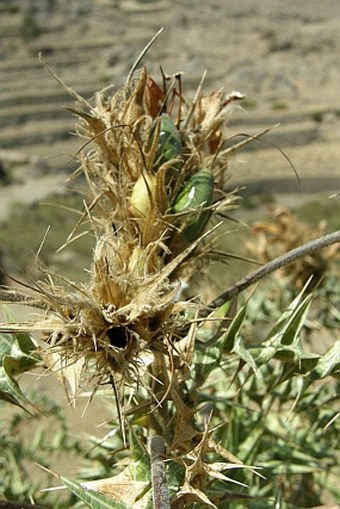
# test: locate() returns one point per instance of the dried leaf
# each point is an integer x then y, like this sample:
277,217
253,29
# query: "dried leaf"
188,494
91,498
153,98
68,370
121,488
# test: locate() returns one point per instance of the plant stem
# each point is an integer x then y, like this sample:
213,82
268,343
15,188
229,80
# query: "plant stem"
277,263
158,475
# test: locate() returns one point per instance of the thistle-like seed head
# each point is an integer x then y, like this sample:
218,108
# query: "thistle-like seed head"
145,147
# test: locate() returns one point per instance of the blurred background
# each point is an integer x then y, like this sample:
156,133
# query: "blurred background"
283,56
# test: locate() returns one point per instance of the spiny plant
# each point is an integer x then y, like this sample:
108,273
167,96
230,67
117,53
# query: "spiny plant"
155,166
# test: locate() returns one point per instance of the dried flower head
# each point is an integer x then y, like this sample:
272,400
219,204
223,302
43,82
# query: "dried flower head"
155,170
286,232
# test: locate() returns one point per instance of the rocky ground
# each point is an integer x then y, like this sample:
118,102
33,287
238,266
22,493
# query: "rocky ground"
283,55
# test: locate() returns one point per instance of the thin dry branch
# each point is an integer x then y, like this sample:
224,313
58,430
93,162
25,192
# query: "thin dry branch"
273,265
141,56
15,296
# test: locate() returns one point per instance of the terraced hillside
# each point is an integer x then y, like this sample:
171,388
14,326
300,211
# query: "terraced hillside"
284,57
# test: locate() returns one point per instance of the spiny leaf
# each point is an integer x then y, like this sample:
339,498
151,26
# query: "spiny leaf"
329,364
122,489
293,365
18,363
6,343
206,360
132,485
19,348
292,317
243,353
191,494
175,476
210,327
15,358
91,498
208,352
23,340
139,466
9,388
284,337
292,468
295,317
229,337
296,322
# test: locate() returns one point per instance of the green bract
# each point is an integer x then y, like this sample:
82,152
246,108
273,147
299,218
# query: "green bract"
196,195
170,140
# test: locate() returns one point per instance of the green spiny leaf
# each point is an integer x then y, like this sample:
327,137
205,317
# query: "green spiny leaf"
295,318
18,347
293,310
227,340
329,363
139,465
175,476
206,360
210,328
9,388
283,342
296,322
6,343
243,353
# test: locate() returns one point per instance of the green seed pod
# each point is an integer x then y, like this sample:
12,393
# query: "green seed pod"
170,140
197,193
